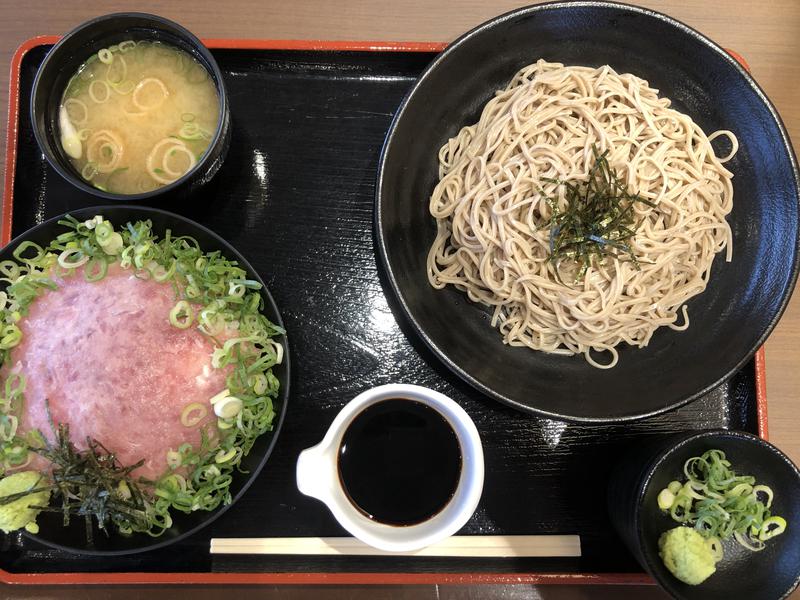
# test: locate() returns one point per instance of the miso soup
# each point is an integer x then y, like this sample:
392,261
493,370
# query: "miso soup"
137,116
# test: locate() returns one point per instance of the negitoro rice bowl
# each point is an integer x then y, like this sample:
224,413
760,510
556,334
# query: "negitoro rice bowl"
140,373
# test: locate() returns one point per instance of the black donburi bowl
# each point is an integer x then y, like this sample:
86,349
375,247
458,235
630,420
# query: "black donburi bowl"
632,501
62,62
73,537
744,298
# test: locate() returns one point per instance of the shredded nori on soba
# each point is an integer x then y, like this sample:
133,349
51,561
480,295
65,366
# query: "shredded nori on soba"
598,220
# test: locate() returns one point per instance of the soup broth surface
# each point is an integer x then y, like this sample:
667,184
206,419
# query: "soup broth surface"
137,116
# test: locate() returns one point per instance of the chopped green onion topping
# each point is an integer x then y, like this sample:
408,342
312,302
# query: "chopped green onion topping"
665,499
720,504
674,487
174,459
181,315
228,407
771,527
224,456
192,414
223,394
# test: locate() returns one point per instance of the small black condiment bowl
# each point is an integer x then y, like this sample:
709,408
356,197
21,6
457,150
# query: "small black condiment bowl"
636,481
62,62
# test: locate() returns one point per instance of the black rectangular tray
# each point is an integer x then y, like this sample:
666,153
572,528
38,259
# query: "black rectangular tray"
295,196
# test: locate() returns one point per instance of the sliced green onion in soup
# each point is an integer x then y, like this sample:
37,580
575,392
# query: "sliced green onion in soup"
161,170
105,56
172,163
117,71
149,93
88,171
99,91
77,111
84,73
75,86
189,131
105,150
124,88
146,183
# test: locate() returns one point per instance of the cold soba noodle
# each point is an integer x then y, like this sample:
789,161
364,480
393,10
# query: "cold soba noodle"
138,116
505,183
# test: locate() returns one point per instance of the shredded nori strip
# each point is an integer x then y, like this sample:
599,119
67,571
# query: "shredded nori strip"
598,221
89,484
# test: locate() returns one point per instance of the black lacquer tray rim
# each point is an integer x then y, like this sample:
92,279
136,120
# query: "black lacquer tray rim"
301,578
380,236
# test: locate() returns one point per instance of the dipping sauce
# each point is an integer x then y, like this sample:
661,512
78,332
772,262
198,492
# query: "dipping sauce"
399,462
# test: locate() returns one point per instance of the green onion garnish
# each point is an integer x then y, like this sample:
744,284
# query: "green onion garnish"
105,56
718,503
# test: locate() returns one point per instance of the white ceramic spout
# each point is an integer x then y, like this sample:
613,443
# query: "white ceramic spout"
313,473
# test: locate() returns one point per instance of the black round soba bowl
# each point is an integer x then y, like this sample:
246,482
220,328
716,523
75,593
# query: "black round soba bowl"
744,298
67,55
633,489
73,537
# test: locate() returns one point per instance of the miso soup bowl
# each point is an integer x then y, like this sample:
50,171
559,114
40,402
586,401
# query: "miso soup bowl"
318,474
62,62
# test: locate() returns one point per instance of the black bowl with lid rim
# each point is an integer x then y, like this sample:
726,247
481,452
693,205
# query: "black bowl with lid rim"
63,61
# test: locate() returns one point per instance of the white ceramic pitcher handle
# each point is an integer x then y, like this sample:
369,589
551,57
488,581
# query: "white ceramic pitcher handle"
312,473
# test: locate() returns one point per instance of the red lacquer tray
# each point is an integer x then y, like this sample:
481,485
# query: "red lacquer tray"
378,73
